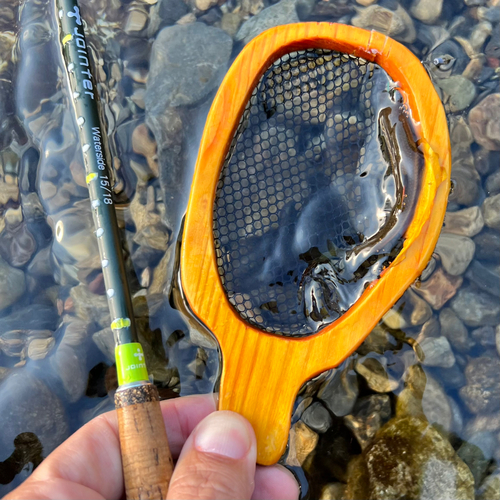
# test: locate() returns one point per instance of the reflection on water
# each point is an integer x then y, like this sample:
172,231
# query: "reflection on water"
413,413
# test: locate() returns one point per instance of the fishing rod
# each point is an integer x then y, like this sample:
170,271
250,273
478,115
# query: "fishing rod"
146,459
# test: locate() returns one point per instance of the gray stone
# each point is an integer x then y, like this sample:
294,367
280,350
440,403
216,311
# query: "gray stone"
497,338
13,285
340,392
456,253
476,308
317,417
283,12
437,352
454,330
187,63
486,277
482,392
490,488
436,406
491,211
466,222
460,90
69,361
488,245
492,184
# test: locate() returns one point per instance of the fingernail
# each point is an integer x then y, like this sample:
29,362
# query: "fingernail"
223,433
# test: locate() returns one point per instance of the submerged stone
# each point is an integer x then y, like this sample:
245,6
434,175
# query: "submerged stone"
409,460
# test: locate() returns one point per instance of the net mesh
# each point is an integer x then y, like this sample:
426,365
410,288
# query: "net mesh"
290,210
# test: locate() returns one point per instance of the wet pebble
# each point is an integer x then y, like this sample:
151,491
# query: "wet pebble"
484,122
17,244
466,222
491,211
187,63
482,392
13,284
454,330
492,184
484,336
485,276
477,452
317,418
488,245
394,23
460,90
283,12
456,253
427,11
302,442
436,405
476,308
437,352
439,288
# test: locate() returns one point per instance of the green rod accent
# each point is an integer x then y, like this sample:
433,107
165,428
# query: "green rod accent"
85,98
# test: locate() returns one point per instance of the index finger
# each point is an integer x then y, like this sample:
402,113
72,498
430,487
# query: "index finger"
91,456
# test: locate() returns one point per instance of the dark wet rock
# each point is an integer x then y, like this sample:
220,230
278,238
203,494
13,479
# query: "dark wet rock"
340,392
491,211
430,329
456,253
374,371
486,161
153,236
379,341
13,285
482,392
335,9
27,405
437,352
460,91
187,63
394,23
40,266
476,308
492,49
466,222
454,330
32,317
317,417
451,378
368,416
485,276
488,245
283,12
436,405
484,123
409,459
477,452
439,288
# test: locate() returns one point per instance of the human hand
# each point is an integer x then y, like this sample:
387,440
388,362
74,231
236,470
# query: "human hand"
216,460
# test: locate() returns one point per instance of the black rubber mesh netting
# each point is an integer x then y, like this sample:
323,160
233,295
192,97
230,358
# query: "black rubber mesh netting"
306,183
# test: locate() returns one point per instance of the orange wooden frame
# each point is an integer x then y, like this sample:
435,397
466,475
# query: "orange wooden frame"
262,373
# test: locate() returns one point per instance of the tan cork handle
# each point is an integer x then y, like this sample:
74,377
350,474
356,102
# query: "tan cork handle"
146,458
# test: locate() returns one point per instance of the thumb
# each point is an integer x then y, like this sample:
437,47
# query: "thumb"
218,460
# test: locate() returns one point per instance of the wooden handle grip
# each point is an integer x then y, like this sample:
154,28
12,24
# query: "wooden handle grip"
146,458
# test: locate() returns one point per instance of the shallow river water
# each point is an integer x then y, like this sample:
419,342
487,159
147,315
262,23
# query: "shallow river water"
413,413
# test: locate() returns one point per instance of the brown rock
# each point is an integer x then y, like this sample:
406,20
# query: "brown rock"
484,121
439,288
302,442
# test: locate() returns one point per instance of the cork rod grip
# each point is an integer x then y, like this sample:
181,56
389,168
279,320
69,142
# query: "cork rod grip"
146,458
